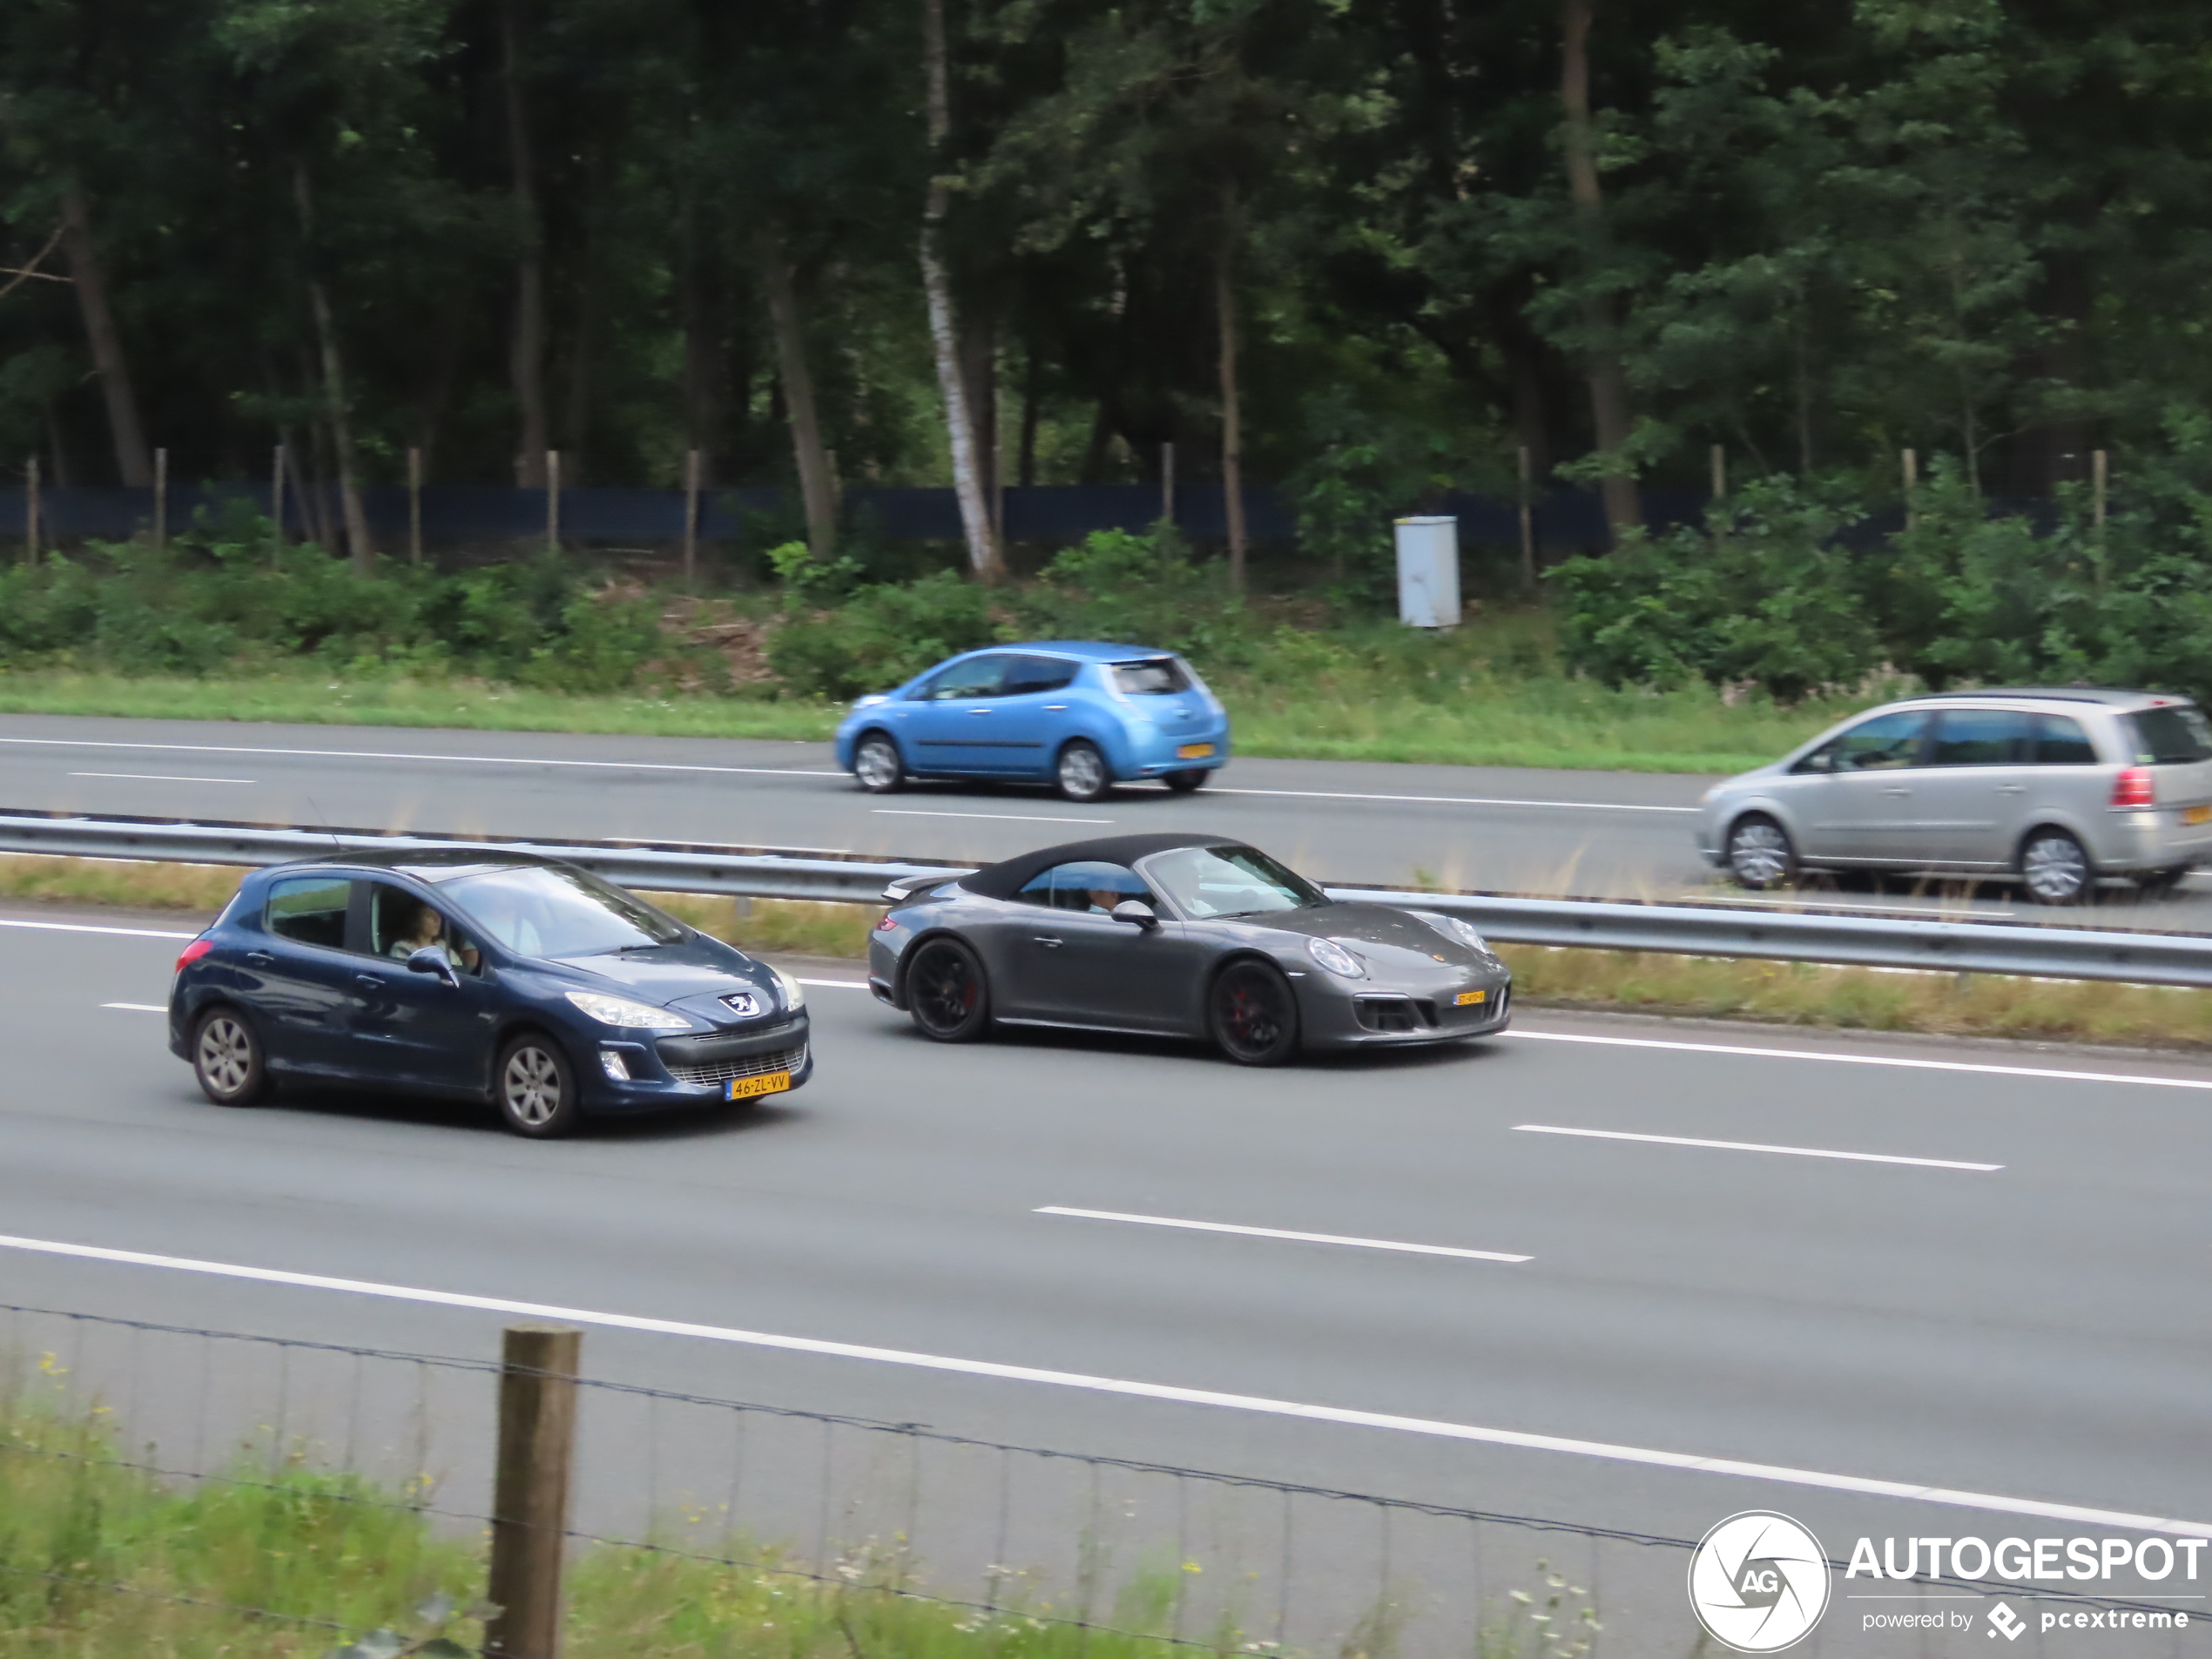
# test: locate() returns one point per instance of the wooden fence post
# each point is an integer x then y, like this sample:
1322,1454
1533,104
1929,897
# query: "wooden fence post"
31,513
2098,477
1528,524
530,1497
1720,471
276,493
1911,462
1166,483
161,499
415,506
691,514
552,501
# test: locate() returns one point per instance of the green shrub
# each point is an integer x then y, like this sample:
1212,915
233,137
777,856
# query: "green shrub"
1140,589
881,637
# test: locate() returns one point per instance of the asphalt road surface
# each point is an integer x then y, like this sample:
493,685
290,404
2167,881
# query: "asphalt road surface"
1866,1268
1612,834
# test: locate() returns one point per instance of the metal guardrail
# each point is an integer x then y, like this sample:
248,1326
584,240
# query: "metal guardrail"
1716,929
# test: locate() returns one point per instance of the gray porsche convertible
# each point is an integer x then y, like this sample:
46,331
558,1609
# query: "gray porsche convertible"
1179,935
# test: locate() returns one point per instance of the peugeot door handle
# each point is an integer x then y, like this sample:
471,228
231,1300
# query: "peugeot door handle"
1046,939
370,982
260,959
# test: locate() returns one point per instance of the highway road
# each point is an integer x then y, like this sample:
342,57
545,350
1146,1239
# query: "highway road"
1612,834
1854,1269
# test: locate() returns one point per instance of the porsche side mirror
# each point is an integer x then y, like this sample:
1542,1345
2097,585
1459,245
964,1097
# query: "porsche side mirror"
431,959
1135,911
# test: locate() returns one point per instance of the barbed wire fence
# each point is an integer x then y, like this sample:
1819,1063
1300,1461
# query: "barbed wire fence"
816,1516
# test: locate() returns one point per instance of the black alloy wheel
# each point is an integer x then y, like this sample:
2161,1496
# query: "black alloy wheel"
1187,782
1253,1014
535,1088
1081,773
2055,869
226,1059
876,765
947,994
1759,854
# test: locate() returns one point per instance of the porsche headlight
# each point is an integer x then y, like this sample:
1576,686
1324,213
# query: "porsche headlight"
794,993
1335,958
630,1016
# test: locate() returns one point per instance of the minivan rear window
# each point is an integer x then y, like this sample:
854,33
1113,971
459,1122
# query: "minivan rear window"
1155,676
2171,736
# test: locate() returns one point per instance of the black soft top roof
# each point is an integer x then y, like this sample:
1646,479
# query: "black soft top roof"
1009,876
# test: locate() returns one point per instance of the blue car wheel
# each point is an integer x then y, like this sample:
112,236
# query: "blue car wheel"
877,764
1080,772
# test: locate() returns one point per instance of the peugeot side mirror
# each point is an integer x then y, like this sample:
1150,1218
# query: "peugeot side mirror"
431,959
1137,912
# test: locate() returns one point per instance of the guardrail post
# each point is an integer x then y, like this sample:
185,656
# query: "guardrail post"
531,1493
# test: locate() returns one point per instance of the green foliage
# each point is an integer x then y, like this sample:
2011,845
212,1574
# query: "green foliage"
1139,589
881,637
1762,594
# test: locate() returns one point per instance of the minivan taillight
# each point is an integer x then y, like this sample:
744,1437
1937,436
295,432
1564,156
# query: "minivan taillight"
2133,788
192,953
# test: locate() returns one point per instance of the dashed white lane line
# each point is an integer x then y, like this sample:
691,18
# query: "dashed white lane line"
1004,817
2058,1073
1276,1232
1456,800
160,778
1753,1146
83,928
382,754
137,1007
1253,1403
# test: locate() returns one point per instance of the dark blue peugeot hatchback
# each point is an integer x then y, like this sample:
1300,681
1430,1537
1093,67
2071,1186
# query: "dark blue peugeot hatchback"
526,981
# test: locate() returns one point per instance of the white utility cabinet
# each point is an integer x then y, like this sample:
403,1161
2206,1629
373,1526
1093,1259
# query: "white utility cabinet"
1428,572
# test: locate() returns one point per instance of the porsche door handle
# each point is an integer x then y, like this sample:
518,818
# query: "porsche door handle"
2011,789
1896,789
1046,939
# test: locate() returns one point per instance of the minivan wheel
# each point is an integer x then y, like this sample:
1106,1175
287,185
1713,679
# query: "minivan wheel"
226,1059
2157,881
2055,867
1080,772
535,1088
876,765
1759,854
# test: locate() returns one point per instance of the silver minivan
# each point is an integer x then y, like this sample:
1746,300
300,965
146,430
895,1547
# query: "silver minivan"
2053,788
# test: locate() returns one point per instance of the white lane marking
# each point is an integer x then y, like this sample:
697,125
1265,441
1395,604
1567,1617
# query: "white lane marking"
1755,1146
840,984
1456,800
1142,1390
80,928
1276,1232
137,1007
160,778
1869,1060
1007,818
380,754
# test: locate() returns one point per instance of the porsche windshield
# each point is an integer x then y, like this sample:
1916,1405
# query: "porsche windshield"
1229,882
540,910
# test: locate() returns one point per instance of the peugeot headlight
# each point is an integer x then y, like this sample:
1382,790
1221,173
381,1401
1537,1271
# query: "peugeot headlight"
1465,932
630,1016
1335,958
794,993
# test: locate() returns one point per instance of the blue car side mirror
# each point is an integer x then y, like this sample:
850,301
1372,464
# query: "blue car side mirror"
431,959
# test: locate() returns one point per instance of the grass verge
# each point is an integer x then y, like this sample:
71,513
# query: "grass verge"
1480,719
1983,1005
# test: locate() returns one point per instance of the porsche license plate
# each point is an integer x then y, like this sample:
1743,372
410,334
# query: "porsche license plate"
1194,752
769,1082
1468,999
2196,814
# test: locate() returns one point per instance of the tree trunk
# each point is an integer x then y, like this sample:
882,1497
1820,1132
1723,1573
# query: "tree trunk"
817,489
979,366
583,344
358,545
984,557
526,350
701,344
1609,385
1233,424
133,461
1026,464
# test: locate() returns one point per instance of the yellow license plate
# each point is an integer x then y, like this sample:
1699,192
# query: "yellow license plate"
2196,814
769,1082
1194,752
1468,999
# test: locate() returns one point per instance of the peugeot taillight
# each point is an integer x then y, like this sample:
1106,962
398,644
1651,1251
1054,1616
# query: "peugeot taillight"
2133,788
193,952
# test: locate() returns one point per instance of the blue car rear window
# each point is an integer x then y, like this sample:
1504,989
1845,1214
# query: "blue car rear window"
1153,677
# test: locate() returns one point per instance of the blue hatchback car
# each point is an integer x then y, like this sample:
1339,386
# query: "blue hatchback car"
523,980
1079,714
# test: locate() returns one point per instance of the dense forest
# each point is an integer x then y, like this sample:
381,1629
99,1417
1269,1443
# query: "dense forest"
1387,246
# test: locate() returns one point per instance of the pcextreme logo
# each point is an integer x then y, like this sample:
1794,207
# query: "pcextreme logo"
1758,1581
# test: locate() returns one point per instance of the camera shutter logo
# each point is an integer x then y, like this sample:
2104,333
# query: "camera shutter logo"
1758,1581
